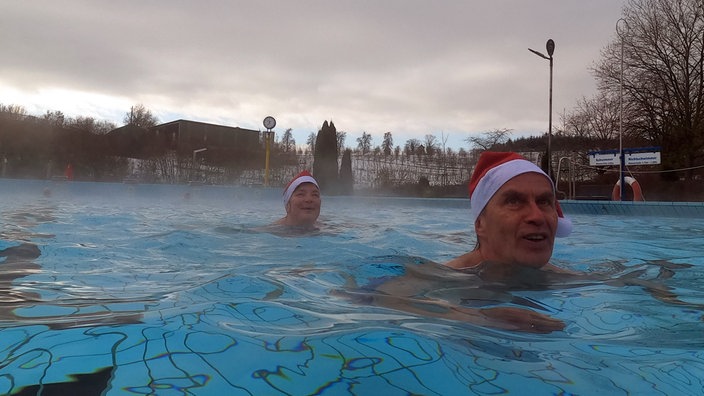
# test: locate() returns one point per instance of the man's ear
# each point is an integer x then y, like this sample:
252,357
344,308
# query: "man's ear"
480,226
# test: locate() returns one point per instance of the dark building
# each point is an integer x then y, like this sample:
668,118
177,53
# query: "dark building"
223,144
214,144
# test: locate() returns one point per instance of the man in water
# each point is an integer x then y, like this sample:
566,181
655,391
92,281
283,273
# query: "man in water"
515,214
302,202
516,218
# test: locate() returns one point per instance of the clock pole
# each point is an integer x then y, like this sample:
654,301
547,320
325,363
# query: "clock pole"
269,124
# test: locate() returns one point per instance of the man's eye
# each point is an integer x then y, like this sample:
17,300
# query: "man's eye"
545,202
512,201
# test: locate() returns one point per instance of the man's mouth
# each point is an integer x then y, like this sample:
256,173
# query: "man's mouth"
535,237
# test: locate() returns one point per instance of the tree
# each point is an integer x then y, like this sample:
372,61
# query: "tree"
346,178
411,146
444,138
311,142
16,112
364,143
54,118
90,124
595,119
430,144
341,136
489,139
387,145
140,116
288,143
325,158
663,76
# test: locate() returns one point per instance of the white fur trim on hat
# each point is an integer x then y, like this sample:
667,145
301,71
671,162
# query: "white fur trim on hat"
497,177
294,184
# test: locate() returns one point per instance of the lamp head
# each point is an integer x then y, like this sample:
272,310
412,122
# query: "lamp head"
550,46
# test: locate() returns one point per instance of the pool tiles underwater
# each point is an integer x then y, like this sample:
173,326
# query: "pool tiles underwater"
143,295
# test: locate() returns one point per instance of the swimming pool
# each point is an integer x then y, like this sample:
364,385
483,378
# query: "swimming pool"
146,289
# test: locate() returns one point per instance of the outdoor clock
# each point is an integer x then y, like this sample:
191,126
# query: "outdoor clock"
269,122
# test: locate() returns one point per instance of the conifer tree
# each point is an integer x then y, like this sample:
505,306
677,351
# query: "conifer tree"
346,178
325,158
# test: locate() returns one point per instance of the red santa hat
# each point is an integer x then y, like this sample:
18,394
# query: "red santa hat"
303,177
496,168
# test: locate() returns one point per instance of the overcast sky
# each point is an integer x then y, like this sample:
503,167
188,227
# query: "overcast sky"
447,68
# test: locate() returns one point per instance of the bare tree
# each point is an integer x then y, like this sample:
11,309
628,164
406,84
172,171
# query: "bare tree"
311,142
411,146
288,143
387,144
13,111
430,144
488,139
54,118
140,116
663,75
596,119
90,124
364,143
341,136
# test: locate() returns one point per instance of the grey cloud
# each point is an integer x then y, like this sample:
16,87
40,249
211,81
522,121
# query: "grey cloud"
412,67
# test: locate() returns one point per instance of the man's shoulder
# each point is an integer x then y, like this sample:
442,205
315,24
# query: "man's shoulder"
558,270
467,260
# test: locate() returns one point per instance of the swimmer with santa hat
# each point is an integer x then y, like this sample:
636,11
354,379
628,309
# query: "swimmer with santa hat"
516,218
515,213
302,201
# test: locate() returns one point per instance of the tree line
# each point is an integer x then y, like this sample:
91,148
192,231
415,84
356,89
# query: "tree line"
650,85
650,81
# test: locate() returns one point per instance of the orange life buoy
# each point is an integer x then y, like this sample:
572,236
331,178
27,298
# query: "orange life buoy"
637,192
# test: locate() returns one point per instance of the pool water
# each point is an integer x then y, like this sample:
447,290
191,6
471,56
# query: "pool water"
172,290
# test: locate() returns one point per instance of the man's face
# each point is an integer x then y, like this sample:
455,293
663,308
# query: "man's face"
303,207
518,224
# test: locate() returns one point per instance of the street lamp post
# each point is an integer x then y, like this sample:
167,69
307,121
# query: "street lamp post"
550,47
622,160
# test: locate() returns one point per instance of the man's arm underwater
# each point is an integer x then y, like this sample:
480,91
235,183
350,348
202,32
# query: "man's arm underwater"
505,318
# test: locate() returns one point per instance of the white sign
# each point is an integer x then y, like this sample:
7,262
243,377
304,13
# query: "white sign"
596,159
652,158
612,158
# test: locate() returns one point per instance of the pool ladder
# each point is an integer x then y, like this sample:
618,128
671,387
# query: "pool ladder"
570,182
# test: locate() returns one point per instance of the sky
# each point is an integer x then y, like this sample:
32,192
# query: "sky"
453,68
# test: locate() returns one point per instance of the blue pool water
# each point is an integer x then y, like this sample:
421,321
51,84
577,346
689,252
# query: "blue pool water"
172,290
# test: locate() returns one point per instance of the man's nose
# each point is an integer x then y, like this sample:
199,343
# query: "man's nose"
535,212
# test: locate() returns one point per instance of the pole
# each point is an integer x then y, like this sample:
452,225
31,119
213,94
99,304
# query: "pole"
622,160
269,124
550,47
267,135
550,128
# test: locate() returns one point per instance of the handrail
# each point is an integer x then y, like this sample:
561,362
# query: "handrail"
570,183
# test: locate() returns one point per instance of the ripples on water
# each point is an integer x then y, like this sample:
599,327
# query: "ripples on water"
142,289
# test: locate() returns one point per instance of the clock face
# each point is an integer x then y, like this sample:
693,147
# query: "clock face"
269,122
